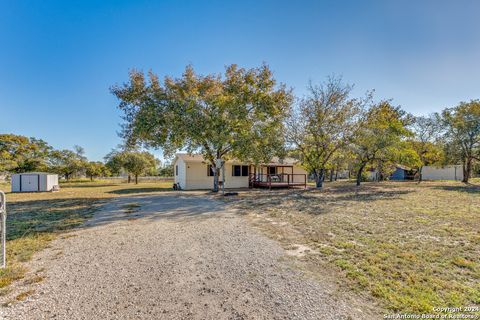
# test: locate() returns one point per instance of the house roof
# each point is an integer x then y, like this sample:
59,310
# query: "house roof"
199,158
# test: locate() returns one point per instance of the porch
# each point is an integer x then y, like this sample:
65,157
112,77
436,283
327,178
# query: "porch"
276,176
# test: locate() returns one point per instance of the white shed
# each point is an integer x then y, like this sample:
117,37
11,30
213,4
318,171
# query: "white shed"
34,182
452,172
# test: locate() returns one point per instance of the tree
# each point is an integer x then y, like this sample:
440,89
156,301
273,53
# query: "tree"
463,134
322,124
22,154
132,161
239,114
380,137
95,169
167,170
114,161
67,162
425,142
138,163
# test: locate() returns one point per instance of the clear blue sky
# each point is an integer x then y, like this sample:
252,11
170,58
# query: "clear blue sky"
59,58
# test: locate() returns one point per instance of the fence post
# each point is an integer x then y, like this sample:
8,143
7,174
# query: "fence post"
3,228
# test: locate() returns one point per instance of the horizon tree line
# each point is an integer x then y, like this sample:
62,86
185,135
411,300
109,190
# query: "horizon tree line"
22,154
245,114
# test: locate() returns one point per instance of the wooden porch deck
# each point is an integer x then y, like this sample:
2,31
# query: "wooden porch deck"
277,180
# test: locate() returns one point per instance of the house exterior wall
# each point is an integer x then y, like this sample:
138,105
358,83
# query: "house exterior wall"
180,174
197,177
454,172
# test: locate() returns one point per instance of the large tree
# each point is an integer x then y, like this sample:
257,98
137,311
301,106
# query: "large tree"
131,161
238,114
322,124
94,169
427,132
23,154
138,163
68,163
463,134
381,138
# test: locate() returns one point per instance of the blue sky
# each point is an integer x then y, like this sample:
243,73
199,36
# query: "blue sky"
59,58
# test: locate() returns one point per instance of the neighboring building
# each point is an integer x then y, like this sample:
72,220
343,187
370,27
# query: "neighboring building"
193,172
451,172
402,173
34,182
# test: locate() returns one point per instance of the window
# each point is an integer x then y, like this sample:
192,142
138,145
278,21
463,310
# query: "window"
210,171
272,170
176,170
240,171
244,171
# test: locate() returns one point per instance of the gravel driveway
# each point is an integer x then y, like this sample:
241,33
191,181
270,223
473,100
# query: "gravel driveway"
173,256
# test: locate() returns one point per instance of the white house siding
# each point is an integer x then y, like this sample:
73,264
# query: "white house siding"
180,175
197,178
442,173
299,170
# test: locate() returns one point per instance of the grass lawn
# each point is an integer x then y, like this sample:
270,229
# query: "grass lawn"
34,219
409,247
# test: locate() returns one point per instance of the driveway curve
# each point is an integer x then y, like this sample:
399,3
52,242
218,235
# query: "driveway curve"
173,256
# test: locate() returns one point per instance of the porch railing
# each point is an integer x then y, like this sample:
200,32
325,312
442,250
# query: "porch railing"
280,179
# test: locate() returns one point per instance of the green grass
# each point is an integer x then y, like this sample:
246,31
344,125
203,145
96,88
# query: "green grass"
411,247
34,219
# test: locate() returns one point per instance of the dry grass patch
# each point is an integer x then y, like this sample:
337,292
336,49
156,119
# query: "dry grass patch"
34,219
412,247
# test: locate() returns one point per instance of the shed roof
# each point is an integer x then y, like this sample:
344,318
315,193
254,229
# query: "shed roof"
48,173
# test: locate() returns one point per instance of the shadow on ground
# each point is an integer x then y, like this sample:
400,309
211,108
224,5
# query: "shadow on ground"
139,190
469,188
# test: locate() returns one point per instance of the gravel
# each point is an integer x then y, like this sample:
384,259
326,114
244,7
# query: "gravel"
173,256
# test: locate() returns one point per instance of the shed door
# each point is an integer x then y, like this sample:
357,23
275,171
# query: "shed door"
29,183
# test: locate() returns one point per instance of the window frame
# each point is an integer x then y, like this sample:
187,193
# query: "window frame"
241,170
210,171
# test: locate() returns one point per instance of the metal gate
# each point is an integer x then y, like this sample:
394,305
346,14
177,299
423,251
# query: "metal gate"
3,228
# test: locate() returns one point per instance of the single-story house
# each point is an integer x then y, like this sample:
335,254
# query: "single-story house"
449,172
192,172
34,182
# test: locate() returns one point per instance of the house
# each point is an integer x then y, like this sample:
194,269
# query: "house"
193,172
450,172
34,182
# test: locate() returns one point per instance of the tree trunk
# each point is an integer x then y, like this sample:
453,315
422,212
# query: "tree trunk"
420,175
216,178
467,170
129,179
91,178
359,174
136,179
336,175
319,177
